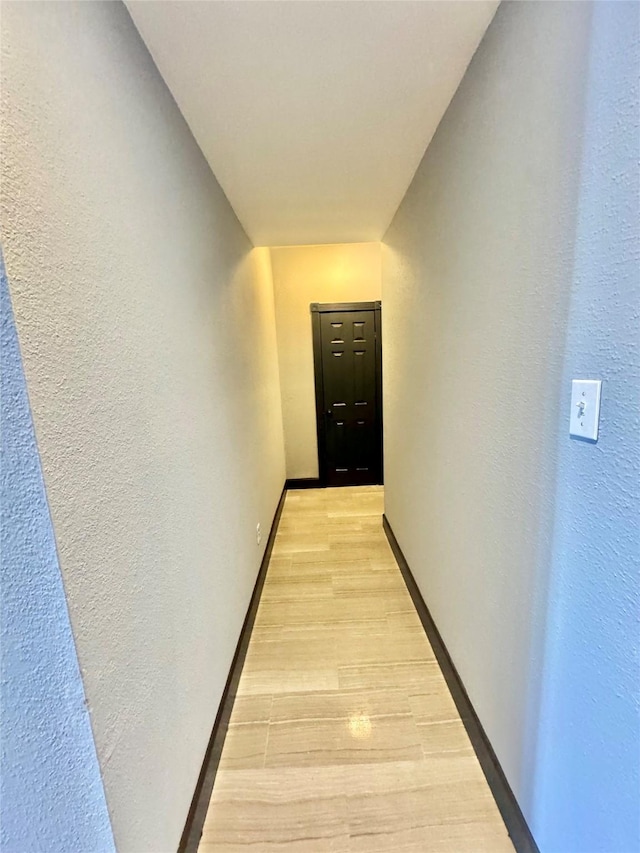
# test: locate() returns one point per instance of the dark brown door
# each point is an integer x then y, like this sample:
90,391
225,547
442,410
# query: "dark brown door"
348,378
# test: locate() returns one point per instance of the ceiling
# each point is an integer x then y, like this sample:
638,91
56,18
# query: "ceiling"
313,114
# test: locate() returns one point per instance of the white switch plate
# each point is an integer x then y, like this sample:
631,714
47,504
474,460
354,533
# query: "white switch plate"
585,408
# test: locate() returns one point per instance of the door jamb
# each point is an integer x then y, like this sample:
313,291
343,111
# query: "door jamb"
318,308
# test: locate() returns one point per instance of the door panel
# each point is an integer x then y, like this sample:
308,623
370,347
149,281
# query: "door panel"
351,435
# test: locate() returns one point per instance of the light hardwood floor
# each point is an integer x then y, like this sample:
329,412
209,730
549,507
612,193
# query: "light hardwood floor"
344,736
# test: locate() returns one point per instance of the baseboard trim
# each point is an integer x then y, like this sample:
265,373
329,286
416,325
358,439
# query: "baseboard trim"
304,483
200,803
515,822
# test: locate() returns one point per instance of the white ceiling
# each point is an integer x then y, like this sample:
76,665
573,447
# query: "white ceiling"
313,115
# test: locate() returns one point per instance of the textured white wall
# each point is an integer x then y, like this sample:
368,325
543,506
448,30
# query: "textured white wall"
344,272
477,266
586,782
146,324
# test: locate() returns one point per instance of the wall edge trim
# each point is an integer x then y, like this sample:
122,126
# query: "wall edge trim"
194,823
514,820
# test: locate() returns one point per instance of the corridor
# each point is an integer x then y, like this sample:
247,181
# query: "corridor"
344,736
256,249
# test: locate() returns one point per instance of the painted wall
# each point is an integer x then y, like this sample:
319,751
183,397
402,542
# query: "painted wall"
347,272
146,323
510,268
51,793
587,785
476,270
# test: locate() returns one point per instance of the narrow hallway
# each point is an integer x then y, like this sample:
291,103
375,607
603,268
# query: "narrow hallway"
344,736
249,250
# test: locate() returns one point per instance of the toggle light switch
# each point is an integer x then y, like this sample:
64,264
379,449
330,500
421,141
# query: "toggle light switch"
585,408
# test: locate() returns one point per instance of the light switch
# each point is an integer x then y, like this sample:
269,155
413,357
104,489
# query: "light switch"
585,408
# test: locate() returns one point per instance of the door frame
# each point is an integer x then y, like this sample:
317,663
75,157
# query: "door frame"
318,308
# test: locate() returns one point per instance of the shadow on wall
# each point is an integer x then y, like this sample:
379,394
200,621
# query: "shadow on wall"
51,793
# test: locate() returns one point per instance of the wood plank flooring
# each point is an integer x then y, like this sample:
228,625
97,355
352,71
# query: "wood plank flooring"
344,736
